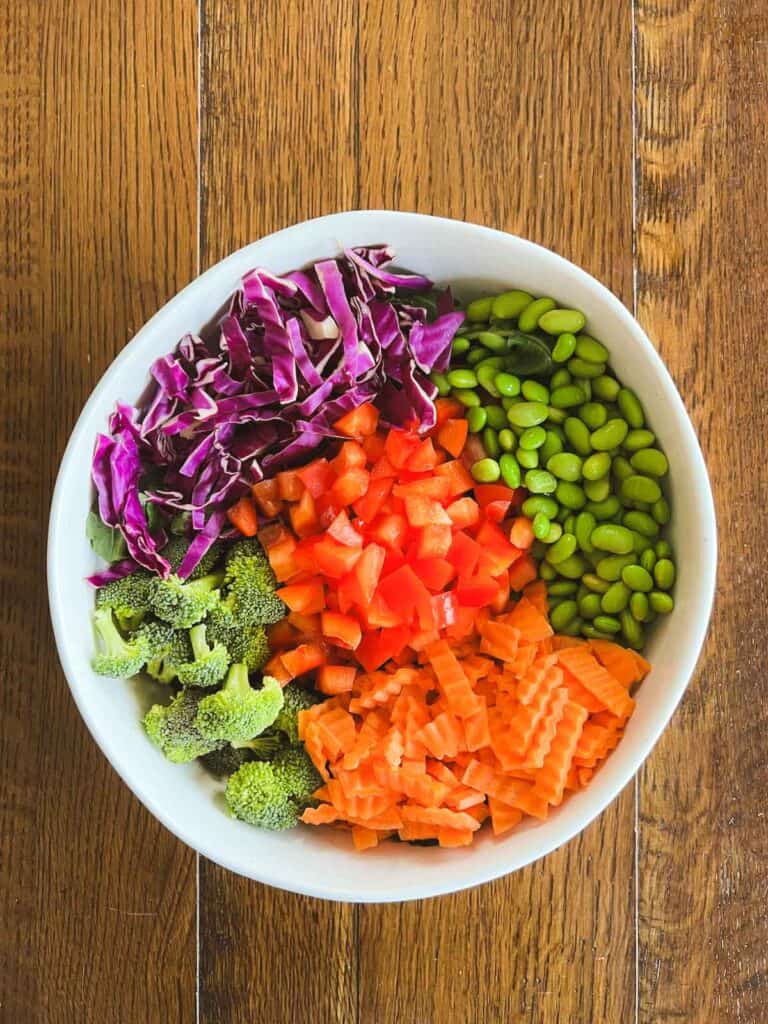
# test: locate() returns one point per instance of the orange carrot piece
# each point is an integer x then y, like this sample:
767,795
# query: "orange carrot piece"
529,620
364,838
550,779
503,817
591,674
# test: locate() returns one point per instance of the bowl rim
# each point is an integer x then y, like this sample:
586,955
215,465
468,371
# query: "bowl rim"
329,889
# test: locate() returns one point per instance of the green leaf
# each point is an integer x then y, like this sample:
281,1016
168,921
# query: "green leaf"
107,541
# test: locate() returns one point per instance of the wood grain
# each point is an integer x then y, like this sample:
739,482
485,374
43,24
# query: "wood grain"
702,252
509,114
278,146
97,228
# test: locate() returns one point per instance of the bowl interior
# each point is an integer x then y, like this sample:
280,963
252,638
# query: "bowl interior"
320,863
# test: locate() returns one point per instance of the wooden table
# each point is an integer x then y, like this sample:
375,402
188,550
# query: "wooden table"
140,142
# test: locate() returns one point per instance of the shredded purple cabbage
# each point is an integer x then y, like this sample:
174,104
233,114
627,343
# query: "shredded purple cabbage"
293,354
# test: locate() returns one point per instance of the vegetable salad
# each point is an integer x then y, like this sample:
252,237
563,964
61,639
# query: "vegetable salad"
395,559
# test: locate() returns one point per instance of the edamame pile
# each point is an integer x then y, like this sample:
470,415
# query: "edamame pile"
554,418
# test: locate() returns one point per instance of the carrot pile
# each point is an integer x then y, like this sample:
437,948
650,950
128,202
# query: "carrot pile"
414,604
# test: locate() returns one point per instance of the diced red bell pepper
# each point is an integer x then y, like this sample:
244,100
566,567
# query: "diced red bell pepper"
486,493
302,659
424,457
425,512
382,468
434,542
359,422
289,485
307,626
282,558
436,487
389,531
379,647
501,600
463,512
369,505
399,446
523,571
498,553
342,530
303,516
308,597
452,435
477,591
344,630
434,573
445,607
244,517
458,476
367,571
497,511
373,446
267,497
276,668
334,679
378,614
350,485
317,477
281,635
334,559
447,409
404,590
464,553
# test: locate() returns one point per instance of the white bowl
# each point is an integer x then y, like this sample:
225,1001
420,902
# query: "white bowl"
321,862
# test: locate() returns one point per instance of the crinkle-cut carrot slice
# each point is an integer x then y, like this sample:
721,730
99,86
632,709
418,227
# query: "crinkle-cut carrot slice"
614,722
371,732
550,779
360,782
387,820
534,804
499,639
522,661
322,795
545,733
595,741
462,797
322,815
541,669
440,771
391,747
453,683
476,731
619,661
417,831
585,774
423,789
536,593
591,674
559,643
478,776
450,838
529,620
525,718
337,732
642,664
479,812
443,736
503,817
364,838
580,694
442,817
477,667
313,744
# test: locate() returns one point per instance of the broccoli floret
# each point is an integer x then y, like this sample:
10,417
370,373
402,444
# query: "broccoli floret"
172,728
295,699
222,763
172,648
120,657
176,549
210,663
261,793
130,598
250,586
184,604
262,747
248,644
302,777
237,712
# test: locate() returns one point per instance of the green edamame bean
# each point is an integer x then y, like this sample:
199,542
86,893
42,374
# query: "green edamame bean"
616,598
565,466
604,510
507,384
621,468
663,549
639,607
507,440
480,309
538,481
578,435
560,379
570,495
641,543
547,572
528,457
648,559
609,436
573,568
486,378
540,523
554,535
596,466
564,348
566,397
565,613
486,471
552,446
569,523
661,603
591,633
637,439
607,624
460,346
510,471
441,383
640,488
533,438
632,630
589,606
630,407
641,522
597,490
491,442
573,628
606,388
557,416
535,392
591,350
562,549
496,417
595,583
581,368
616,539
637,578
529,318
475,357
586,387
610,568
509,305
585,524
539,503
470,399
593,414
462,378
562,321
562,588
497,362
664,573
562,515
660,511
492,341
476,419
650,461
527,414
